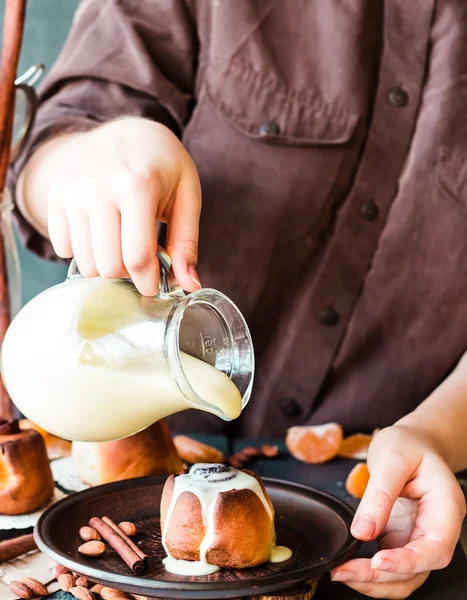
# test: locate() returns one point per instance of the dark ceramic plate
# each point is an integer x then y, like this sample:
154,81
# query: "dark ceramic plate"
315,525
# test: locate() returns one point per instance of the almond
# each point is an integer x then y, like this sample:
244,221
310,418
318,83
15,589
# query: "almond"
20,589
128,528
236,461
250,451
59,570
241,456
38,588
66,581
81,593
82,582
111,594
93,548
88,534
96,589
269,451
193,452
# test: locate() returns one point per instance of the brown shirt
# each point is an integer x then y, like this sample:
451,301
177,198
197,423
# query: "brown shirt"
331,141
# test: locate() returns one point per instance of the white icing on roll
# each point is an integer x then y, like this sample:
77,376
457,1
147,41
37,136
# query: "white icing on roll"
206,482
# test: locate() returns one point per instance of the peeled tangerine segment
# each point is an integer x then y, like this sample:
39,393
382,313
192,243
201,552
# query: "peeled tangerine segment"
357,480
314,444
356,446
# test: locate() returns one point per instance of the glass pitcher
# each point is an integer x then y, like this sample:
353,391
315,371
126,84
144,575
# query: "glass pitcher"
93,359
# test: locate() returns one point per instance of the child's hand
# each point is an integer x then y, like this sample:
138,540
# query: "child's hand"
413,501
108,187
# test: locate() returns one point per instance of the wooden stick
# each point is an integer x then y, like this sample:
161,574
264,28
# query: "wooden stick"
123,535
15,547
12,37
15,11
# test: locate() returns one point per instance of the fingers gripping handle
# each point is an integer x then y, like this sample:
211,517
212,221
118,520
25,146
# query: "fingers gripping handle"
168,284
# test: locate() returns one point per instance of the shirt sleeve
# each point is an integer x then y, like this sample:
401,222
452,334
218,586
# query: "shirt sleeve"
121,58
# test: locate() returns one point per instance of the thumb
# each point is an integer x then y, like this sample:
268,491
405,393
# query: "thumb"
183,232
390,470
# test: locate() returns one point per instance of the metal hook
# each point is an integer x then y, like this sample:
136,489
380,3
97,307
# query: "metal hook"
32,75
24,83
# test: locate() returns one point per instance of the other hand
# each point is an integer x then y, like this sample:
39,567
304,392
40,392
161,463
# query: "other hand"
416,507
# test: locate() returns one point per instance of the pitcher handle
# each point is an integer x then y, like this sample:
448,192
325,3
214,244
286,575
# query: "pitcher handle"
168,284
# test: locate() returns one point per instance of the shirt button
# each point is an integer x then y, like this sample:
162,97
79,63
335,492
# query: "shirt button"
269,128
291,408
328,316
369,211
398,97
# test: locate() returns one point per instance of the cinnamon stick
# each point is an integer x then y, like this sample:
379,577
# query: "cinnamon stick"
123,535
10,549
127,554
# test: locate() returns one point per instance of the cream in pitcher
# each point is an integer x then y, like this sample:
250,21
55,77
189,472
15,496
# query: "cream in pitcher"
93,360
